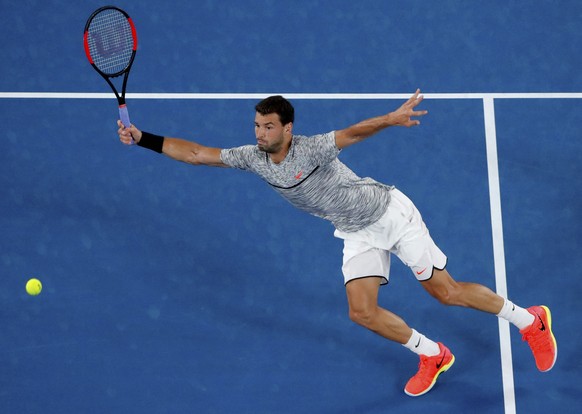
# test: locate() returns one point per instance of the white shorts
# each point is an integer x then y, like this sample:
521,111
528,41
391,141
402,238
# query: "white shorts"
400,231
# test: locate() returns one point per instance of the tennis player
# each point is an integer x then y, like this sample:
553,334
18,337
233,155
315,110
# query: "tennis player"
373,219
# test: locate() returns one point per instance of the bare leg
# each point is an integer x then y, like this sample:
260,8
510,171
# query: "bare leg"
472,295
364,310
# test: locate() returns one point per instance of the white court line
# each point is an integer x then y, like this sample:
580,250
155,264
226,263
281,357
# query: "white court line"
340,96
498,253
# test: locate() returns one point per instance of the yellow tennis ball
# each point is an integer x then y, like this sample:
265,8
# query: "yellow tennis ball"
33,287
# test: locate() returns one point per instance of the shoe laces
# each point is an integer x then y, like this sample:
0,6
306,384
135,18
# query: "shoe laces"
423,367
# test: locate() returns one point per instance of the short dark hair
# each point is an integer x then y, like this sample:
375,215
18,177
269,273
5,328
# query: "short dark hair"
277,105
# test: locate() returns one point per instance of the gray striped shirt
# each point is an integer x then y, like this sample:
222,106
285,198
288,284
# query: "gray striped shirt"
313,179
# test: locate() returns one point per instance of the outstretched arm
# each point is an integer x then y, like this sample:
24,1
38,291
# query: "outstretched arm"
362,130
176,148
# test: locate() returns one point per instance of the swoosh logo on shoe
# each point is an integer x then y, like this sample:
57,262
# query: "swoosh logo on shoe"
442,359
543,327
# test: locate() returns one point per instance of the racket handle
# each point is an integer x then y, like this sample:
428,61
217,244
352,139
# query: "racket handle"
124,116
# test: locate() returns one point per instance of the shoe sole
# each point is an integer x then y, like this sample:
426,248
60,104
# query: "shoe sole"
549,317
439,372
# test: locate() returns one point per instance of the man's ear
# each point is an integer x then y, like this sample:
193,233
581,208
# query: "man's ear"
289,127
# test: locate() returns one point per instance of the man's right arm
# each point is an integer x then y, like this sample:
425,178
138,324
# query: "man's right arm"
176,148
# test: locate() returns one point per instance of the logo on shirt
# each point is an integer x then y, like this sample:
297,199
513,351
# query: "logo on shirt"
299,174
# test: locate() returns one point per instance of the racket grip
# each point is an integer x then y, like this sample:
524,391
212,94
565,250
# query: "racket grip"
124,116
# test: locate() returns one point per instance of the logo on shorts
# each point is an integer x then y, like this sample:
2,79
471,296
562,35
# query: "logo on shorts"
421,272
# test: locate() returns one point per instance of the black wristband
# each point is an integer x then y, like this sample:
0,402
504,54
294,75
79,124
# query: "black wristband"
151,141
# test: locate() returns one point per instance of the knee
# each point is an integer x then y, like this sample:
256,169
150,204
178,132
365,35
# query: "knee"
364,316
449,296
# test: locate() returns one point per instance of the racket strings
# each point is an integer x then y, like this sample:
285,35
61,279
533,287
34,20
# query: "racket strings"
110,41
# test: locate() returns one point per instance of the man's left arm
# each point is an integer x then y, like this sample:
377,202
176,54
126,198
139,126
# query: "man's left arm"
362,130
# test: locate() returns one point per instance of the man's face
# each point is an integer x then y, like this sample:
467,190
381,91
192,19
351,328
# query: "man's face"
269,132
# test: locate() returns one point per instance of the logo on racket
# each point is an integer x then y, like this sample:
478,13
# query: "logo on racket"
109,46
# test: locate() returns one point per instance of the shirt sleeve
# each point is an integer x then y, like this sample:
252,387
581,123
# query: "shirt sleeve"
238,157
322,147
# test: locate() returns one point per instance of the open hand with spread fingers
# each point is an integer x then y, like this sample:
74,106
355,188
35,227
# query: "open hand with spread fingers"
403,115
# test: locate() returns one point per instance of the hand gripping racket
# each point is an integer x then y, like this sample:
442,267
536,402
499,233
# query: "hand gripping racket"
110,44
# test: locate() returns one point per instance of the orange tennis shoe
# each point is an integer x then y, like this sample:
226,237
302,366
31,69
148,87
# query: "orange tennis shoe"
540,338
429,370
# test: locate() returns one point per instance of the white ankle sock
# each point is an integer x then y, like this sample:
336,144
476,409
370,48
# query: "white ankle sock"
512,313
421,345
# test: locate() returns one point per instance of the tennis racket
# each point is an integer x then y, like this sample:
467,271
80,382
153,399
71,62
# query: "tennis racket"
110,43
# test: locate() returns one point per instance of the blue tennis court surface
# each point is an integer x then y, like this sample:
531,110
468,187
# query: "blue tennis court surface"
174,289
